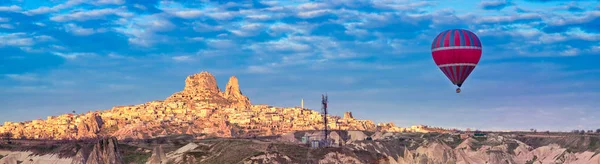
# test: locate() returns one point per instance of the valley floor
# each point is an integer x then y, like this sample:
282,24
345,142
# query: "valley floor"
350,147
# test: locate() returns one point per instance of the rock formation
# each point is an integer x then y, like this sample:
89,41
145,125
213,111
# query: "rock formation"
158,156
89,126
202,88
232,91
348,115
201,83
105,151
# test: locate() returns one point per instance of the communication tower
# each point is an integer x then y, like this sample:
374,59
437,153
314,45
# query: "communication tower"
324,108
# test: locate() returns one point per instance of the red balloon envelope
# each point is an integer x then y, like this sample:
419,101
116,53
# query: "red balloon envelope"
456,52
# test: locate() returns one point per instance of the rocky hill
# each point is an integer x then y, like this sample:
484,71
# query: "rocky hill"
200,109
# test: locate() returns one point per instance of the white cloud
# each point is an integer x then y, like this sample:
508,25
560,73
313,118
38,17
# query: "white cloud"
569,19
551,38
313,13
400,5
91,15
15,39
570,51
261,17
222,15
76,30
72,56
220,43
282,45
115,56
508,19
202,27
248,30
312,6
179,10
595,49
142,30
182,58
141,7
40,24
2,19
109,2
45,9
12,8
351,30
58,47
154,23
580,34
43,38
188,14
7,26
31,50
282,28
195,38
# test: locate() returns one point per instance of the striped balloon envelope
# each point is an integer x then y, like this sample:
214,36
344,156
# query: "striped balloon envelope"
456,52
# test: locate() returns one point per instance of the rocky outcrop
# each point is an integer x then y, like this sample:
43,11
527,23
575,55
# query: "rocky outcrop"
201,83
202,87
158,156
105,151
90,126
233,92
233,88
348,116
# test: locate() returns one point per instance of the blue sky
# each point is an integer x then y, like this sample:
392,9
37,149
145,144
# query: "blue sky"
538,69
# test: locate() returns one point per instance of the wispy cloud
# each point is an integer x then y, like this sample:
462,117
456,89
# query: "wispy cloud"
15,39
72,56
22,77
90,15
76,30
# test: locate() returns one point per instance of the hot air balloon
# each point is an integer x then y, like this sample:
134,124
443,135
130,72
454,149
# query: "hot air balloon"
456,52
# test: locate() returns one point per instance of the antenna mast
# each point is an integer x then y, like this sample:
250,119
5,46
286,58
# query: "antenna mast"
324,108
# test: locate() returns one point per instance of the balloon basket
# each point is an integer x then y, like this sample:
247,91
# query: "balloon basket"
457,90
